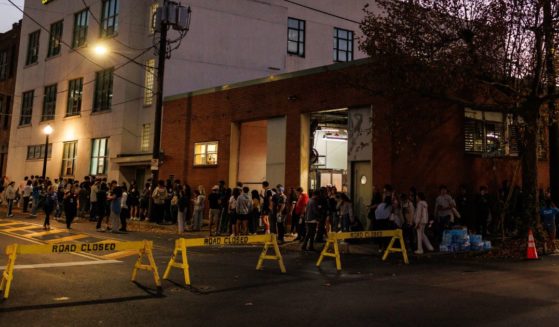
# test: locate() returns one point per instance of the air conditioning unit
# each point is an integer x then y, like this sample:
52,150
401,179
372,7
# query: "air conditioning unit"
183,19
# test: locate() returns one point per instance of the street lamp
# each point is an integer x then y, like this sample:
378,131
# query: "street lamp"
48,131
100,50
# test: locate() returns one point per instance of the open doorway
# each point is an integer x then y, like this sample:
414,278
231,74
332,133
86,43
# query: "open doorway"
329,149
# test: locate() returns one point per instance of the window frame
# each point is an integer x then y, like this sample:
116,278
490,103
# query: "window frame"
38,152
66,158
74,100
145,138
5,67
103,93
350,40
109,19
97,158
81,26
26,114
205,154
55,38
301,36
33,44
149,82
49,102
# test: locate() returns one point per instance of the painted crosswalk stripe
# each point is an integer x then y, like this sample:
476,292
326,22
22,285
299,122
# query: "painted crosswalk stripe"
9,230
63,264
67,238
49,232
11,224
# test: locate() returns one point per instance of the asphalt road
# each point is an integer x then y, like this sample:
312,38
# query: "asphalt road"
77,290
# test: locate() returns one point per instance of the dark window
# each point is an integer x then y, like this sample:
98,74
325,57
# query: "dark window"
33,48
80,28
109,18
99,156
69,158
343,45
485,133
296,37
103,90
26,108
38,151
54,39
49,103
4,65
6,117
75,88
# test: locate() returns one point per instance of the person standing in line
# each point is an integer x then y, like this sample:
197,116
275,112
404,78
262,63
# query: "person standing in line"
35,195
134,201
255,214
312,216
548,214
299,213
215,210
124,211
483,211
20,189
267,195
93,200
233,210
281,212
346,212
421,220
26,194
243,209
115,205
10,194
443,211
382,220
50,203
101,204
70,205
184,200
159,195
199,206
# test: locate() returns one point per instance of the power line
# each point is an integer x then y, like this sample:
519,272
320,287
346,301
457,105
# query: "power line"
322,11
77,50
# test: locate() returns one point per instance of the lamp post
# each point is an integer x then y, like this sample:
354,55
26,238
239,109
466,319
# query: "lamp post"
48,131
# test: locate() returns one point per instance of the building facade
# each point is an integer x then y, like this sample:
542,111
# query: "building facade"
315,128
101,107
9,44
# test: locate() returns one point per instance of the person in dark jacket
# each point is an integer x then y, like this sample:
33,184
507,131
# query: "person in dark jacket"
50,204
312,217
70,205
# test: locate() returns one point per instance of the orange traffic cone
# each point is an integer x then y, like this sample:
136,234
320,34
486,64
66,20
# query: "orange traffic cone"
531,252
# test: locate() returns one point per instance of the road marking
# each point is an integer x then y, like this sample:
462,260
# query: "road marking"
67,238
12,223
9,230
52,231
62,264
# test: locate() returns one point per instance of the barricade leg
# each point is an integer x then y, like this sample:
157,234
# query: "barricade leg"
398,236
147,250
8,274
331,241
180,246
273,242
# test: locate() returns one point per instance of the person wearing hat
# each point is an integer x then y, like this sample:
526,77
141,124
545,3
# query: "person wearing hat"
10,197
215,209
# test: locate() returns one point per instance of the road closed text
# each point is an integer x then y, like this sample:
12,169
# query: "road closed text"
226,240
94,247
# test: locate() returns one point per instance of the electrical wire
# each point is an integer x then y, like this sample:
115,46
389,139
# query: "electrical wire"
322,11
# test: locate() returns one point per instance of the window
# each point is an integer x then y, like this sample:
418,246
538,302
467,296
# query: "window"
38,151
205,154
103,90
146,137
296,37
489,133
7,103
33,48
109,18
4,65
80,28
69,158
75,88
49,103
99,156
26,108
152,19
149,82
343,45
54,39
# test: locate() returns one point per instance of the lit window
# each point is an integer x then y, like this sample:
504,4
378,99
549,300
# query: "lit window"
69,158
149,82
205,154
296,37
26,108
99,156
109,18
103,90
33,48
152,18
343,45
38,151
75,89
80,28
49,103
54,39
146,137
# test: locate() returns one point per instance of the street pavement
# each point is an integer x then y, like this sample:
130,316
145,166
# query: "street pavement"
95,290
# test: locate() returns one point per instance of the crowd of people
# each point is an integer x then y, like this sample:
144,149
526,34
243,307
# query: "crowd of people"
307,217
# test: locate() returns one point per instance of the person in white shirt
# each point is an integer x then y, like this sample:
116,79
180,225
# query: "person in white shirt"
421,220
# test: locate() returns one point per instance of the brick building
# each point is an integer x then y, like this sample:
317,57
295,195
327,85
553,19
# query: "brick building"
9,43
312,128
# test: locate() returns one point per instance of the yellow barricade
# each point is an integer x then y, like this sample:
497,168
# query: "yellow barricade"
181,245
333,239
144,248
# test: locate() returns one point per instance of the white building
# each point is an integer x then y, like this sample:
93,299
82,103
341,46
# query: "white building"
101,107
